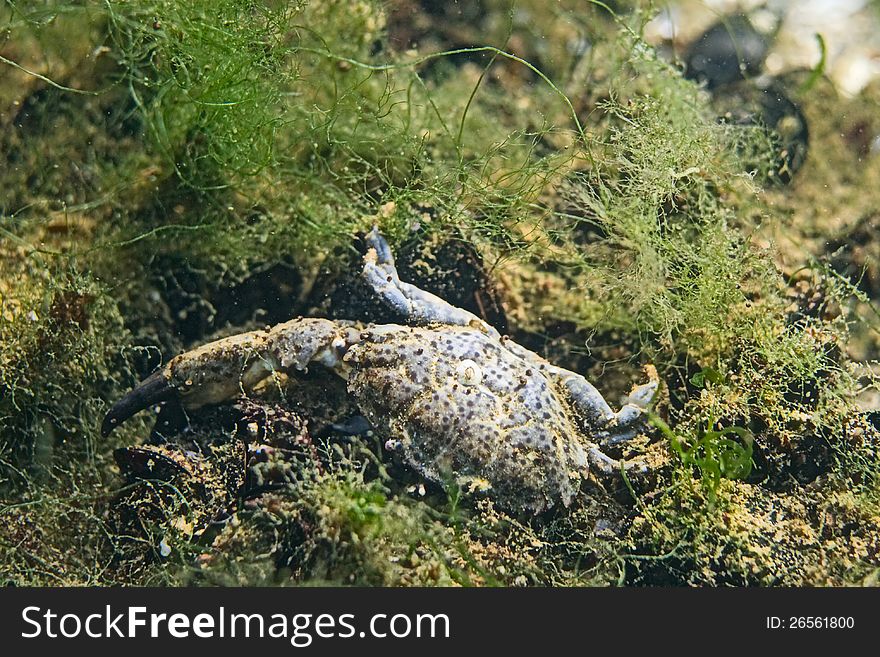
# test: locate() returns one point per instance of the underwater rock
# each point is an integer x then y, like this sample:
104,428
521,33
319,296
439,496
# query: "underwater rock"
767,104
728,59
171,485
730,50
198,478
855,254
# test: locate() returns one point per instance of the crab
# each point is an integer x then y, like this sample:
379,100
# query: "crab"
458,402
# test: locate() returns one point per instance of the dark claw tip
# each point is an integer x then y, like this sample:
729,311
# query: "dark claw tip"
152,390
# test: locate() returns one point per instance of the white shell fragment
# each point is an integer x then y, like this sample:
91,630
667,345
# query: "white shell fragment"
468,373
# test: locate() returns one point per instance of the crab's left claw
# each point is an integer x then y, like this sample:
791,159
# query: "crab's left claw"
152,390
224,369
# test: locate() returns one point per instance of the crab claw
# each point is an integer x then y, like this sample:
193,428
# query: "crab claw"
224,369
152,390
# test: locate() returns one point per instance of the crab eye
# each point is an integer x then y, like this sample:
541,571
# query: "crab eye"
468,373
339,346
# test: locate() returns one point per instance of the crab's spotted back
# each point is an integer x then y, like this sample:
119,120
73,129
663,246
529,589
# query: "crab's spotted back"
467,409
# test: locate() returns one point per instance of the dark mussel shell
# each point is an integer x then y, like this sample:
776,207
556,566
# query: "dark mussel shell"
730,50
768,105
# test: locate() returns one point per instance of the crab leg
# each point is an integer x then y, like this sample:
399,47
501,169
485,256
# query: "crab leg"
610,427
605,425
415,305
224,369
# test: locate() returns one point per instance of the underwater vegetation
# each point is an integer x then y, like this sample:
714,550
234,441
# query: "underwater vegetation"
176,173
